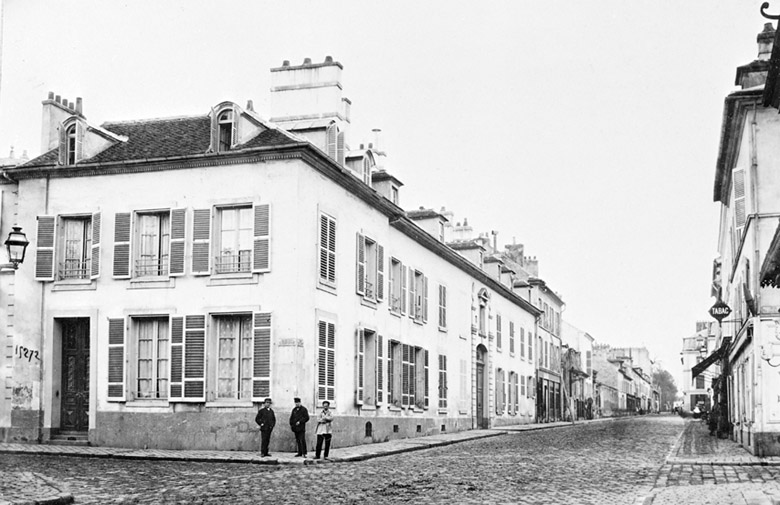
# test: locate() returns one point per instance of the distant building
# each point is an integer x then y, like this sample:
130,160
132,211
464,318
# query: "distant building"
695,349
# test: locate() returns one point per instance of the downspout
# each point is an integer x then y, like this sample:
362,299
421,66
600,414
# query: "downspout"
41,326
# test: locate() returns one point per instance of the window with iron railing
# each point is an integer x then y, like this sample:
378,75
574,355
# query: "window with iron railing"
228,262
235,240
154,244
77,244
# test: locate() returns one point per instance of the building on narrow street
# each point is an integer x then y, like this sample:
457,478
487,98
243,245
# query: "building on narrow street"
578,369
747,189
183,269
697,389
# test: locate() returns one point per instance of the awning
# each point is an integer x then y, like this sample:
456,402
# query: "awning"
770,270
703,365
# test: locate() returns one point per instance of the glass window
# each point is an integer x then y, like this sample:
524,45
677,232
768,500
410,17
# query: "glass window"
234,360
225,130
76,247
152,357
235,240
153,244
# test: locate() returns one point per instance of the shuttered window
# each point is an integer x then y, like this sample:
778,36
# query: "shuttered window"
95,248
359,365
511,337
201,241
233,234
499,331
380,368
116,359
327,266
393,374
370,269
178,226
739,202
442,306
522,343
177,359
261,377
195,358
235,352
499,391
407,375
44,249
262,239
326,361
152,357
122,223
442,381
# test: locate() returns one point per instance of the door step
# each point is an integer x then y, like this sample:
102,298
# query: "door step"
78,438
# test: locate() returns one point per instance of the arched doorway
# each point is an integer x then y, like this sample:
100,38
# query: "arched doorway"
482,418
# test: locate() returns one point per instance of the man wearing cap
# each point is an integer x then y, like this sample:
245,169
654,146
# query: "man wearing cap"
267,420
298,419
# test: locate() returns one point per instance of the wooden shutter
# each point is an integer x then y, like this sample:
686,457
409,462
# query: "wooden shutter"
122,227
331,140
360,269
442,381
261,375
412,298
406,378
511,337
425,300
79,155
359,365
44,248
739,201
234,139
402,269
178,225
392,391
380,376
326,361
63,152
340,149
177,359
327,248
380,273
425,377
201,237
116,360
214,147
262,240
95,252
499,330
195,358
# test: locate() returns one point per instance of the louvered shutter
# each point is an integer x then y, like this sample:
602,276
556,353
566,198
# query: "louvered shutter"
392,392
95,252
327,249
359,365
499,389
499,330
402,269
261,375
214,147
406,382
340,148
195,358
326,361
178,226
122,227
739,201
262,239
332,141
511,337
425,300
234,130
44,248
360,269
116,360
79,141
201,241
177,359
63,152
380,272
380,376
412,298
425,378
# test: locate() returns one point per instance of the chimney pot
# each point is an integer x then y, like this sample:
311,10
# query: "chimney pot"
329,59
307,61
361,146
58,99
250,105
51,95
286,63
79,104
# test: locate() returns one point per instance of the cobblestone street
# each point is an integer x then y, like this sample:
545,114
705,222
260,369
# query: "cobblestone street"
609,462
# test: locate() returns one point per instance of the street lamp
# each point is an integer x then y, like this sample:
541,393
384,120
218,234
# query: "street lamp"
16,245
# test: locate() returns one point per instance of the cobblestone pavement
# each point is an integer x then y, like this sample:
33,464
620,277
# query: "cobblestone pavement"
596,463
705,470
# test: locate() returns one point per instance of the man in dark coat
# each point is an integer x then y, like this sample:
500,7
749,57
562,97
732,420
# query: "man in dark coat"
267,420
298,419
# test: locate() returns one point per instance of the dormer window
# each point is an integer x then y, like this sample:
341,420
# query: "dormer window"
71,137
226,129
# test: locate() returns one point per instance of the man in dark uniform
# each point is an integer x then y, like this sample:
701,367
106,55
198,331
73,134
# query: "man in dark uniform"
298,419
267,420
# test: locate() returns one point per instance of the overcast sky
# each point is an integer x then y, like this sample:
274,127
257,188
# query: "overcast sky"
587,131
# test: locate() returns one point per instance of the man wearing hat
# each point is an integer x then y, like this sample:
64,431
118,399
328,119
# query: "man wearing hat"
267,420
298,419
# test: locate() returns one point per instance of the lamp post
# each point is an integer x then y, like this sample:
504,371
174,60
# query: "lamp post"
16,245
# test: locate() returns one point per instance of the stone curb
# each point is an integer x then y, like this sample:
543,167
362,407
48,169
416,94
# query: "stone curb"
61,499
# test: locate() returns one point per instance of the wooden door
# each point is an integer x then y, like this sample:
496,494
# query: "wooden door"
481,396
75,375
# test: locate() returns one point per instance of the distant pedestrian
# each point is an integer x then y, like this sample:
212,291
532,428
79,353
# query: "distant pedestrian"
298,419
267,420
324,429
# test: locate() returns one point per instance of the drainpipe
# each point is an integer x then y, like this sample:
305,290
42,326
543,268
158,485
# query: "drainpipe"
41,330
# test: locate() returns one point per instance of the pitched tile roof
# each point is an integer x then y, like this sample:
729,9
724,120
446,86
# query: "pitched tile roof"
163,138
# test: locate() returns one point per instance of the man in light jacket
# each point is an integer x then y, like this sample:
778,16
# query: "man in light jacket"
324,429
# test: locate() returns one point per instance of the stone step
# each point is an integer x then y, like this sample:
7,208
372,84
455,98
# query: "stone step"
70,438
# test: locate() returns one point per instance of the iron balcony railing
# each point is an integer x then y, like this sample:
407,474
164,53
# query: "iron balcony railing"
74,269
151,266
228,263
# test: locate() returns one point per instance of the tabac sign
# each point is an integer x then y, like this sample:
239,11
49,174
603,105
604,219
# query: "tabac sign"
720,310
